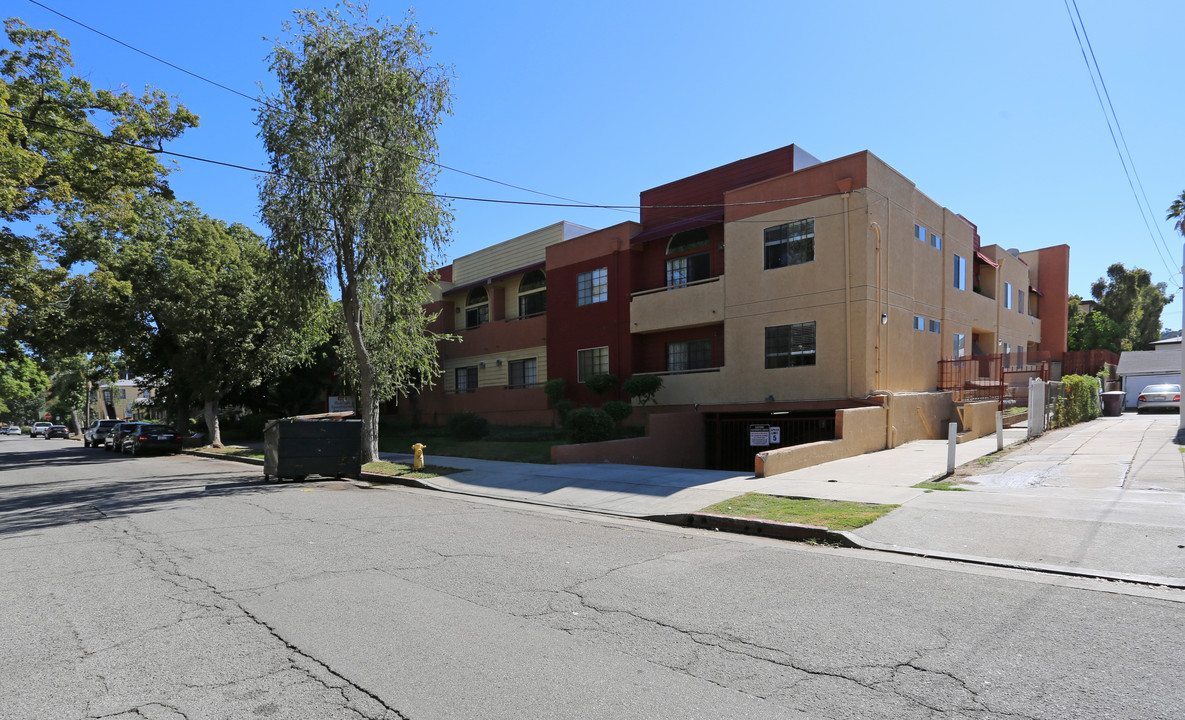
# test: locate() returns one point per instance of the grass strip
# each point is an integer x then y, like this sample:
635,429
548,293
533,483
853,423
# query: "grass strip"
831,514
383,467
234,450
929,485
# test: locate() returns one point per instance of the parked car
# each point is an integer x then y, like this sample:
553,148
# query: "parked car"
1159,397
39,429
14,430
115,437
151,438
97,431
57,431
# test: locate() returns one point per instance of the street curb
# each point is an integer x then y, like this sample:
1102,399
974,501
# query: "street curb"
752,526
1153,580
768,528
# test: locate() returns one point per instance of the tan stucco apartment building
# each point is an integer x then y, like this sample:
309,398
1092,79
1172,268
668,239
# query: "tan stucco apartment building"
776,290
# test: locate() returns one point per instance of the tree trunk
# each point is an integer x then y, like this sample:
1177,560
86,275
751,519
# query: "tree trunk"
368,402
211,414
74,422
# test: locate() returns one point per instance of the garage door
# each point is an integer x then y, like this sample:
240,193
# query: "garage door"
1133,384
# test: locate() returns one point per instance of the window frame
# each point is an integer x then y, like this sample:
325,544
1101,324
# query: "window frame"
696,349
592,287
935,326
464,388
530,373
594,365
479,310
701,272
776,357
919,232
788,243
936,241
960,272
919,322
537,293
959,348
1007,295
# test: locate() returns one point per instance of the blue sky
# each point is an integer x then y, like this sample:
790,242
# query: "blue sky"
988,107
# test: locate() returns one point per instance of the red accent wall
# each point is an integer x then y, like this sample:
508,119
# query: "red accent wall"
707,188
825,178
650,350
650,259
500,336
571,327
1053,280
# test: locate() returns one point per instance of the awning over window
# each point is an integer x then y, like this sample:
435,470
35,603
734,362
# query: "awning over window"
664,231
986,259
1036,292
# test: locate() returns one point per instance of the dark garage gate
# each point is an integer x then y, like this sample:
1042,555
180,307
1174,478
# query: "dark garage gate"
727,435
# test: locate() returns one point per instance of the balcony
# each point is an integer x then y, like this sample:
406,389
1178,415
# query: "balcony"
669,308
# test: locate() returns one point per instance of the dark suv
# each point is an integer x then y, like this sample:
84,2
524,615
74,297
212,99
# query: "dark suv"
119,434
97,431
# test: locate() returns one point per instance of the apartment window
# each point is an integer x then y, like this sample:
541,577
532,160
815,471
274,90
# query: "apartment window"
123,393
688,269
1008,295
1020,301
466,379
790,345
687,241
919,232
919,322
523,373
960,347
790,244
935,241
592,287
1007,348
935,326
477,307
960,273
689,355
532,294
593,361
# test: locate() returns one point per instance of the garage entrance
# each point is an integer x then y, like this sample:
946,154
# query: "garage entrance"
729,436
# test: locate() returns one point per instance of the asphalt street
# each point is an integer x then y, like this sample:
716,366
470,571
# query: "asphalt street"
184,587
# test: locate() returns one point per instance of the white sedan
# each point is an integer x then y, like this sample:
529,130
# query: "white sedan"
1159,397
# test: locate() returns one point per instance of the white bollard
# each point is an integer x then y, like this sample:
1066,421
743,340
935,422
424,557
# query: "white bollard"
952,439
999,430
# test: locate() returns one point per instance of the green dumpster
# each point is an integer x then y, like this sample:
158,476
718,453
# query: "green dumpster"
295,448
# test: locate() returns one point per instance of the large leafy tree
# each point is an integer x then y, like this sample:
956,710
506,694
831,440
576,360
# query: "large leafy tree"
204,310
22,388
65,146
352,135
1127,313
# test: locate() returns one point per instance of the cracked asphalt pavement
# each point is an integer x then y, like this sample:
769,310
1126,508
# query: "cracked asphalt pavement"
182,587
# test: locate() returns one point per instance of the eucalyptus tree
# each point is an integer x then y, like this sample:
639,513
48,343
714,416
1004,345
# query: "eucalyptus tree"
351,132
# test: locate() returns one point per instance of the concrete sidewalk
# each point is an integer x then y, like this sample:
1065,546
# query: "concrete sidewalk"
1105,498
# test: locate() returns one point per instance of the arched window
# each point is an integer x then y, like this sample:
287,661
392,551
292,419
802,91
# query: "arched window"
532,294
477,307
690,265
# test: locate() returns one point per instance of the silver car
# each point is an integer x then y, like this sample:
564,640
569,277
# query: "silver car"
1159,397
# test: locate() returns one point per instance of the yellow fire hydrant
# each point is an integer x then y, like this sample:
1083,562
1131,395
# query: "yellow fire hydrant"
419,459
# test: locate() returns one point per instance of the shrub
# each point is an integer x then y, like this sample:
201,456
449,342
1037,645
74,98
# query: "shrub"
1080,403
468,426
601,383
642,387
586,425
562,408
618,410
554,390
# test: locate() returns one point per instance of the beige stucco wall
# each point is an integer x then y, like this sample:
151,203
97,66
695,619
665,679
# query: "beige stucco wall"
978,419
919,416
678,307
511,254
493,374
673,439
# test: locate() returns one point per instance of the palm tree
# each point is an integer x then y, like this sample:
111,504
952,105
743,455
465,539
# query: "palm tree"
1177,210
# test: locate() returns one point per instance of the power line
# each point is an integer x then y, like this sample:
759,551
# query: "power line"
203,78
1092,70
420,193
